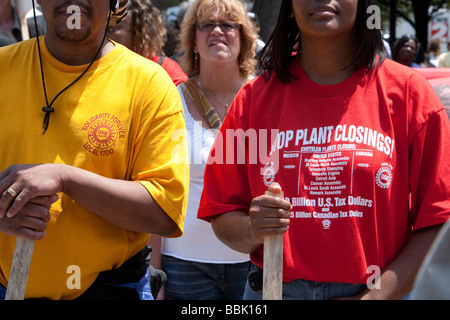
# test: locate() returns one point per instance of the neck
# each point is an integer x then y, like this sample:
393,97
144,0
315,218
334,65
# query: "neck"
324,60
76,54
220,81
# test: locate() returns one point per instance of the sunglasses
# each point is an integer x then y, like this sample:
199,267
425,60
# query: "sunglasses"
210,26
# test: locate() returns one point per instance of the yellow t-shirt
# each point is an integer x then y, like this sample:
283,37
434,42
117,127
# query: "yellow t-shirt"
122,120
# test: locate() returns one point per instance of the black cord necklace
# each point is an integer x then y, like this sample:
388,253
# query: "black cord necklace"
48,109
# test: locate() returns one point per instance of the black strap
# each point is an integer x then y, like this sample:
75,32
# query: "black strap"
107,285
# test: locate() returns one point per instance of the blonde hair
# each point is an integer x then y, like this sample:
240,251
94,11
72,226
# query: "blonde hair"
233,10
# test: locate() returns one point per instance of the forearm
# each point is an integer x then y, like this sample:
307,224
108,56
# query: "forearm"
397,279
155,243
233,229
126,204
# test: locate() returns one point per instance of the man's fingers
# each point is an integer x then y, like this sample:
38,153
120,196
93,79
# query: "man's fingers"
17,204
23,198
45,201
267,201
36,211
33,223
30,233
6,199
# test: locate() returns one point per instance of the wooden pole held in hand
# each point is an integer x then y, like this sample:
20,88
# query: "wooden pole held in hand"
273,264
19,269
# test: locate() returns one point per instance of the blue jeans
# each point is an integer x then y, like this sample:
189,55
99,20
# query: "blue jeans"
142,287
310,290
190,280
2,292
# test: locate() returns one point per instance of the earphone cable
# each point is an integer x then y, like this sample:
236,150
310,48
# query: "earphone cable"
49,109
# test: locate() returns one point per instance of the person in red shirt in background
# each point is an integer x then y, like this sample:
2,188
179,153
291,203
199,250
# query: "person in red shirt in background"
142,31
359,145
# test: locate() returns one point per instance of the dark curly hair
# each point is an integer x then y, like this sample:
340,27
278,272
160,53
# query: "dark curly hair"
148,29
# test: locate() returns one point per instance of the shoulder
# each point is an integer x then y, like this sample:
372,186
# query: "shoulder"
132,59
134,65
445,55
14,55
19,47
395,74
444,59
409,82
146,79
410,91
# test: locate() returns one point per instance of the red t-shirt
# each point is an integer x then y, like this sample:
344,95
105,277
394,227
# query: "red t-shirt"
363,163
173,69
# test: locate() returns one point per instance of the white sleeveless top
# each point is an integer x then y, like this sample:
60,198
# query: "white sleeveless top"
198,242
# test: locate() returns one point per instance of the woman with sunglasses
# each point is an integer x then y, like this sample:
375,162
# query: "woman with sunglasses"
360,150
218,42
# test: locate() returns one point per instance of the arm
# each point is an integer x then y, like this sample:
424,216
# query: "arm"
268,216
233,229
397,279
126,204
155,242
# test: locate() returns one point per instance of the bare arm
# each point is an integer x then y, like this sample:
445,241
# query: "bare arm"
126,204
398,277
268,216
233,229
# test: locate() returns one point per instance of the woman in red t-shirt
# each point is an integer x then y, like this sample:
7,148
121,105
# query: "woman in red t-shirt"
359,145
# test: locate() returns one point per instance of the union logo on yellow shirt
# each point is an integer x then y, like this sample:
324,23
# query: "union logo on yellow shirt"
103,130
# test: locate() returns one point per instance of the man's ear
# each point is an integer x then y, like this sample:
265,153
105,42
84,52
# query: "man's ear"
38,2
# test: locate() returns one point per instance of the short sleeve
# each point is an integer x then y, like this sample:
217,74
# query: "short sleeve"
429,154
160,152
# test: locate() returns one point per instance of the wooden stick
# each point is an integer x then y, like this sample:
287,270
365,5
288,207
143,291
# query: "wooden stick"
24,247
19,269
273,264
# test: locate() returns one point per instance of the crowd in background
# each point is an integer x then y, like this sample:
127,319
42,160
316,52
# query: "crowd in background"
406,50
198,265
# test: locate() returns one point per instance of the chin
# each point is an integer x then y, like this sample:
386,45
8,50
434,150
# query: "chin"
73,36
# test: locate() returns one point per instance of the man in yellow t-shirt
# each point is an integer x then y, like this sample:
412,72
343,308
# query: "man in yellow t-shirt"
106,170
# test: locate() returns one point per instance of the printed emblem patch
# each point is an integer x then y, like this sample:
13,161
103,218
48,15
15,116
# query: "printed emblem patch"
103,131
268,173
383,178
